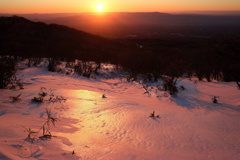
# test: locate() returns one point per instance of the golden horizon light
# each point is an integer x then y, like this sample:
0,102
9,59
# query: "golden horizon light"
99,7
73,6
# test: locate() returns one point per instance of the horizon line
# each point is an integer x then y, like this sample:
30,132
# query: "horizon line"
218,12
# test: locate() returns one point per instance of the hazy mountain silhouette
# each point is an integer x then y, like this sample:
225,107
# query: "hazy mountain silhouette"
152,24
19,36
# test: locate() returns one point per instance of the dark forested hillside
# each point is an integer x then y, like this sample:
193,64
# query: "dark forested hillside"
22,37
208,58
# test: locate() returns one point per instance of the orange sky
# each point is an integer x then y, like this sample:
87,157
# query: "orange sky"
73,6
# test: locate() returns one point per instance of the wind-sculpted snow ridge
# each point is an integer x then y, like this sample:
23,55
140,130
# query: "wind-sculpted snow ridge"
90,127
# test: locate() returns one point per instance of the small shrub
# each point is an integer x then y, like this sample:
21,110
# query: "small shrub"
15,99
132,77
182,88
170,85
50,118
46,133
15,83
159,88
165,94
146,89
31,135
8,69
238,85
104,96
214,99
20,85
37,99
33,61
56,99
152,115
52,65
43,93
69,71
85,68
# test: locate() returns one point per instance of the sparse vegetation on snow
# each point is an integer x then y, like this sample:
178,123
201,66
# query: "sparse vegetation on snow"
185,126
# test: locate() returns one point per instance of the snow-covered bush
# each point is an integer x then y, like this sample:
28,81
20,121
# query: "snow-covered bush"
52,65
34,61
132,77
86,68
170,85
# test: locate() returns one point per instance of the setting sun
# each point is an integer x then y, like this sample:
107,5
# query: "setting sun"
99,7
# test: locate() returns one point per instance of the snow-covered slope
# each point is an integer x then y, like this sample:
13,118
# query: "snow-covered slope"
189,127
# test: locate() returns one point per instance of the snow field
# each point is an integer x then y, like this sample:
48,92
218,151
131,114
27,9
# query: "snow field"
190,126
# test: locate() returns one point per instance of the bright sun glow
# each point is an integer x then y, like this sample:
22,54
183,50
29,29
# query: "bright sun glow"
99,7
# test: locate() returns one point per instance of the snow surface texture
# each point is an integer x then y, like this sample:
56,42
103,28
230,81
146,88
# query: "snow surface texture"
190,126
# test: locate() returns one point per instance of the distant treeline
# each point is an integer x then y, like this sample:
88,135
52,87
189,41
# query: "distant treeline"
174,56
216,58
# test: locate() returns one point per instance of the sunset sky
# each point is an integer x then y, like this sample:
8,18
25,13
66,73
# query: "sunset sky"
73,6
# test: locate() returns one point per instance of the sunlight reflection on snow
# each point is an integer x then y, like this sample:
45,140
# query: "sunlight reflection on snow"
92,112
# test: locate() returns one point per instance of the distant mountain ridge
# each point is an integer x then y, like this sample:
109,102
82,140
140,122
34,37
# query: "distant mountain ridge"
20,36
148,24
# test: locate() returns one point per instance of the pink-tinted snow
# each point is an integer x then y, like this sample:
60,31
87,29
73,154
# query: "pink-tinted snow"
190,126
